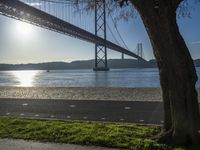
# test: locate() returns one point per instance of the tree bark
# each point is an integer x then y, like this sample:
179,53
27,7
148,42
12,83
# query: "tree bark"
177,72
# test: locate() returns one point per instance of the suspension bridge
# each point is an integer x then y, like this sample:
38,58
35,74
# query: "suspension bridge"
67,17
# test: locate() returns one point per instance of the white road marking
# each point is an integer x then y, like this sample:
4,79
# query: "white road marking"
85,118
127,108
36,115
21,114
103,118
25,104
161,121
122,119
72,106
141,120
52,116
68,117
7,114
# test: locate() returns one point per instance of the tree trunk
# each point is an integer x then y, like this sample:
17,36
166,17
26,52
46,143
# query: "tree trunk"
177,72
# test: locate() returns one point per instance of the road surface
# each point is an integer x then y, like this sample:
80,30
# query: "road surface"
13,144
110,111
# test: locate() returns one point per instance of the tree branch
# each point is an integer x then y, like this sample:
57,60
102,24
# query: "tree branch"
123,2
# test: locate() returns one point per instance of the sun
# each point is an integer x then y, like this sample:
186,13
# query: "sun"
24,29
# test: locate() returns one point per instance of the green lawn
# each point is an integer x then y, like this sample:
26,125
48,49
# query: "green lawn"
128,136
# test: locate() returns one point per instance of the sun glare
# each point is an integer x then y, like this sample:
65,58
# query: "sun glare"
25,78
24,29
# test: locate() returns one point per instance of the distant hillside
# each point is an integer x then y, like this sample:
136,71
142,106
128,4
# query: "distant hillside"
86,64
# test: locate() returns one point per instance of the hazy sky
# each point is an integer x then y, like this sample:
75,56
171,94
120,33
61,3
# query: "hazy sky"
22,43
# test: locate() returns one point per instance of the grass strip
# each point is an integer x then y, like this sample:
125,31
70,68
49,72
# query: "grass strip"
115,135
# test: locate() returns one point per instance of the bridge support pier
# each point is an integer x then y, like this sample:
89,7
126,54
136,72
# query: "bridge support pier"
140,50
101,63
122,56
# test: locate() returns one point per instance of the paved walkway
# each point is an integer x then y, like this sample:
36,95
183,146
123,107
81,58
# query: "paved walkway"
111,111
6,144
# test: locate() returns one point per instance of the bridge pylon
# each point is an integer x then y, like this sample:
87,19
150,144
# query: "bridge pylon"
101,63
122,56
140,50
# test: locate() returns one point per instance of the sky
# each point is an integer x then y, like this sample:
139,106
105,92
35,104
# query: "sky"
24,43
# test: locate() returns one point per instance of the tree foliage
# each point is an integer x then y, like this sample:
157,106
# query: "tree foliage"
124,9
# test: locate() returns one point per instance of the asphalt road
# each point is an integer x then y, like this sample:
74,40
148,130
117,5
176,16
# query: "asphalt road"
111,111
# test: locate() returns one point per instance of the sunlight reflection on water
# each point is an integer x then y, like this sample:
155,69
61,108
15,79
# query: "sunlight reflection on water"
25,78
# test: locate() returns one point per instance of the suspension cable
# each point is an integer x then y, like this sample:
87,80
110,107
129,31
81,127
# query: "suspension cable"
112,34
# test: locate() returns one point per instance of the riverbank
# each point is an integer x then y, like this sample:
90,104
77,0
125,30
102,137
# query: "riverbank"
86,93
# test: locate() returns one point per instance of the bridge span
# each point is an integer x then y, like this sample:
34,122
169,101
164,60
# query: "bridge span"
23,12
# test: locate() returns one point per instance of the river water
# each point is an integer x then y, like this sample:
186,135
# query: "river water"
147,77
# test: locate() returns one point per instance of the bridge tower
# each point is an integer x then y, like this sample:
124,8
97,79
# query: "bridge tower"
122,55
101,63
140,50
